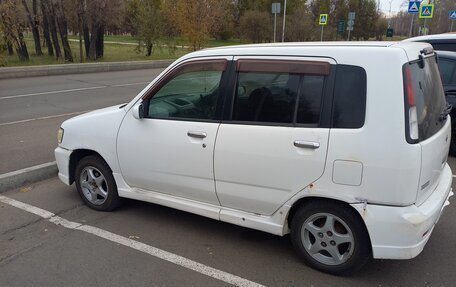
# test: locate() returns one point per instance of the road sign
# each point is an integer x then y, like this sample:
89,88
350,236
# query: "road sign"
452,15
414,6
426,11
275,8
351,15
341,26
389,32
323,19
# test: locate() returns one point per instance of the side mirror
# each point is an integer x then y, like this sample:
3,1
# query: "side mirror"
138,111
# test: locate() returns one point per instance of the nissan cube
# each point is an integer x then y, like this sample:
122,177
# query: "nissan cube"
341,145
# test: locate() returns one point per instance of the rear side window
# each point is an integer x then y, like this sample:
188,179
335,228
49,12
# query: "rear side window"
425,99
448,71
349,108
279,92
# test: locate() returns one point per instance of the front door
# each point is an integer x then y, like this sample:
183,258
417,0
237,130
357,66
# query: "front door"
171,150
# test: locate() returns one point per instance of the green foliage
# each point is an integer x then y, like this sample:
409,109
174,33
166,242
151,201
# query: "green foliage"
255,26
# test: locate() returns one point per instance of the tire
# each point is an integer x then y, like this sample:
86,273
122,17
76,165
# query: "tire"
453,138
95,184
340,248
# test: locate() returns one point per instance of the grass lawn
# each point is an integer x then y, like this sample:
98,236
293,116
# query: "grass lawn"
112,53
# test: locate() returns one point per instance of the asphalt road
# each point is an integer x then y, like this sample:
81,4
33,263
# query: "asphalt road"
32,109
37,252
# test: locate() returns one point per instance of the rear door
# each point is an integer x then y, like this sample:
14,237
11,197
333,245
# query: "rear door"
273,142
425,95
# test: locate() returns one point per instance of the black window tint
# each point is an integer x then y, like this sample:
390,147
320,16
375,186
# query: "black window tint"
310,99
447,70
444,46
349,108
190,95
265,97
429,97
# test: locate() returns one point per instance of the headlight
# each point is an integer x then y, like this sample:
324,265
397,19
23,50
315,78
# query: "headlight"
60,136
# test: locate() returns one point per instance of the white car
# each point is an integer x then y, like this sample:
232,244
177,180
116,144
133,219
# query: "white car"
343,145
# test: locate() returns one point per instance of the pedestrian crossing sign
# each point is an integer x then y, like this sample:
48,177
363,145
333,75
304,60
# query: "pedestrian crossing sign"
426,11
414,7
452,15
323,19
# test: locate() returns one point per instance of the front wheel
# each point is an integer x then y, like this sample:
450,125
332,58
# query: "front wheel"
95,184
330,237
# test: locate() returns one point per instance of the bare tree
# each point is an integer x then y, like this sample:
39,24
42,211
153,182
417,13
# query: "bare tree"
33,22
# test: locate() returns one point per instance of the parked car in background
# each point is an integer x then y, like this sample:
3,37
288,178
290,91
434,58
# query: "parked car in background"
342,145
440,42
445,46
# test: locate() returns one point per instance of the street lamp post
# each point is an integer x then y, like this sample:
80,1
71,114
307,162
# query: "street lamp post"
284,15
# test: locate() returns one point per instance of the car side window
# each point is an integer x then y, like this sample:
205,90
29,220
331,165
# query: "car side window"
280,92
190,94
448,71
266,97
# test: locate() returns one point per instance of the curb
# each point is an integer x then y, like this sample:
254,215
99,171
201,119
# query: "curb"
64,69
18,178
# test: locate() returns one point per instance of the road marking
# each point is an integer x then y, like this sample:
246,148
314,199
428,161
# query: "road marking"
71,90
139,246
43,118
454,175
27,169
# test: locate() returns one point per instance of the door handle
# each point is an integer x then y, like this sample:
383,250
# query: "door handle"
198,135
307,144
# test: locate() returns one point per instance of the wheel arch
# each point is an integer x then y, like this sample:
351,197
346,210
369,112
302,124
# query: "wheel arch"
312,199
76,156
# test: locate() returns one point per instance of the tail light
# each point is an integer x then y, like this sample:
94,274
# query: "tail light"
411,104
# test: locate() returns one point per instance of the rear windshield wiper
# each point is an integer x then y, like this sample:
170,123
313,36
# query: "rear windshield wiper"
446,111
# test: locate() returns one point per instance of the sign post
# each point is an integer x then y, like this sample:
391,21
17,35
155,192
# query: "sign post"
452,16
413,8
350,23
340,27
426,12
322,22
275,11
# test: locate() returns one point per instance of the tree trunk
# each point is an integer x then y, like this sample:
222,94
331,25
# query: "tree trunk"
63,29
21,48
85,28
100,42
149,49
55,40
47,37
34,26
9,47
93,39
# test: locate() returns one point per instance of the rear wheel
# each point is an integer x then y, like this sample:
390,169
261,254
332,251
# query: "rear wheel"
95,184
329,237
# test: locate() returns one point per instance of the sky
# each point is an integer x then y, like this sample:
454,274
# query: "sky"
395,6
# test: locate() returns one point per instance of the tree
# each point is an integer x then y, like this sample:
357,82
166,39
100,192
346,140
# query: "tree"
195,19
33,22
48,13
63,28
14,28
148,21
256,27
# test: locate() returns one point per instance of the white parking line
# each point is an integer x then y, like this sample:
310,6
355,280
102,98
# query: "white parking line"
43,118
71,90
139,246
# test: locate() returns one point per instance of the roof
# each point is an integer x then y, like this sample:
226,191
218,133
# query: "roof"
444,36
311,44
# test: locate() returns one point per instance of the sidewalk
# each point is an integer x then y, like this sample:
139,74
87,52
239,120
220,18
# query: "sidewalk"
63,69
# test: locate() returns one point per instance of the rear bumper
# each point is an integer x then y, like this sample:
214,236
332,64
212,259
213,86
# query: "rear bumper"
62,157
402,232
